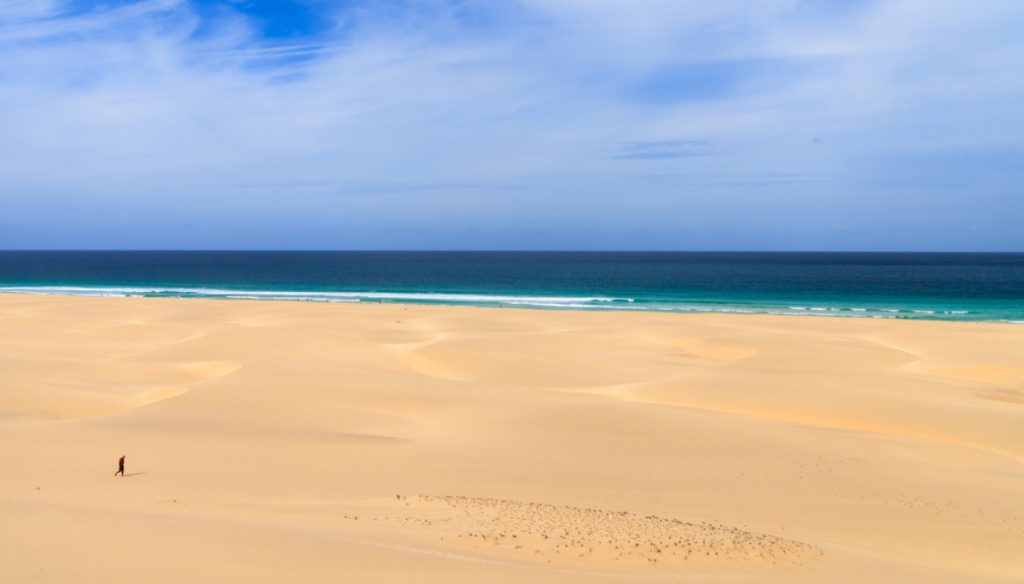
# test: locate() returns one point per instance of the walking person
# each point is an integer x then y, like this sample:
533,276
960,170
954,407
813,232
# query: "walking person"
120,466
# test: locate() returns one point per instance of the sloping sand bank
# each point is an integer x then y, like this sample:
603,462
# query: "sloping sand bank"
301,442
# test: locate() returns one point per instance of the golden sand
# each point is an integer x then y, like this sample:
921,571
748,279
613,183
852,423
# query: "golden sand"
302,442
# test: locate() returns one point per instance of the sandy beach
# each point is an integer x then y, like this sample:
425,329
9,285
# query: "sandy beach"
310,442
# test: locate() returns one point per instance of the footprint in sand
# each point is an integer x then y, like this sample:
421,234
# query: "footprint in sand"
577,535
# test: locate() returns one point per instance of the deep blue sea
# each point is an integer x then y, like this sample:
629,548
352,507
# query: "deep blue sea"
947,286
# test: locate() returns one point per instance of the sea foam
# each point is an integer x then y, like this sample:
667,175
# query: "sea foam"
562,302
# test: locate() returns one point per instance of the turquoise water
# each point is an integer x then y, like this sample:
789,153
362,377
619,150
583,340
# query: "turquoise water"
974,287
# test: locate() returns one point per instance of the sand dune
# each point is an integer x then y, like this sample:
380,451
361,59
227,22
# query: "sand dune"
279,441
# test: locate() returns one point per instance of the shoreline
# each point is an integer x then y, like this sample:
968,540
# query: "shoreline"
528,302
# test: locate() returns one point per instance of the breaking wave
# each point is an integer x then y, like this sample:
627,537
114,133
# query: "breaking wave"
526,300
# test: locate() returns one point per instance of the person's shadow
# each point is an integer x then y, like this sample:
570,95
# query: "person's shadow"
134,474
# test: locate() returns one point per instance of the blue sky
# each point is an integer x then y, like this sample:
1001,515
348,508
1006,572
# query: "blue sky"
513,124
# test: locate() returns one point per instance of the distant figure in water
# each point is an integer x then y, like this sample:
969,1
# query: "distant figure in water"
120,466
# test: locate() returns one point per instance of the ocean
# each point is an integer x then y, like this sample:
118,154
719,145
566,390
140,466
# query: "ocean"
942,286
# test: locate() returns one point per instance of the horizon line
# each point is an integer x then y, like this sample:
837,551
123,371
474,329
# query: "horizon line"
620,251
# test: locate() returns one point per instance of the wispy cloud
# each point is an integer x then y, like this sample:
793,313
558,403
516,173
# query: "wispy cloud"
666,149
147,109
